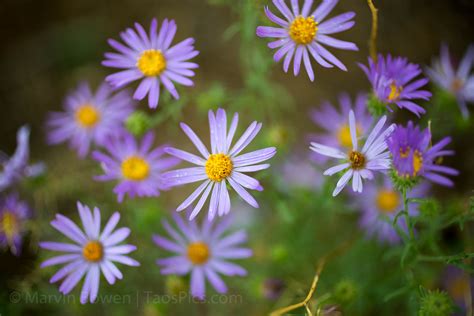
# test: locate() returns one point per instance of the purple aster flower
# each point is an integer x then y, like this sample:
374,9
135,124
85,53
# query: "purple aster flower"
221,166
459,285
203,252
13,214
358,164
304,32
391,80
91,252
379,206
137,167
413,155
152,58
89,117
460,82
334,123
14,168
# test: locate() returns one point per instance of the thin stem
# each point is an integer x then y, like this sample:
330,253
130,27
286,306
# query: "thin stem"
407,216
322,262
373,33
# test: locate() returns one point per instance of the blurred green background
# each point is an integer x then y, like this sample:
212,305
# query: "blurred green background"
49,46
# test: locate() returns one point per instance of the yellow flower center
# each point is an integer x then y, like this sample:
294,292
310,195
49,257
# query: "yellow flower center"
151,62
458,287
456,85
387,201
344,135
357,160
417,162
135,168
198,252
87,115
394,92
93,251
303,30
218,167
404,152
9,224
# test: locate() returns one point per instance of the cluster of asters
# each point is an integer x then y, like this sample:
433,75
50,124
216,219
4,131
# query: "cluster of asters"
96,119
363,144
392,158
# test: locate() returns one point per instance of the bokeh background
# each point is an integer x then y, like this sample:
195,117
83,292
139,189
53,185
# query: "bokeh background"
48,47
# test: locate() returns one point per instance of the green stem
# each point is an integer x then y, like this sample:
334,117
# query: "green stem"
407,216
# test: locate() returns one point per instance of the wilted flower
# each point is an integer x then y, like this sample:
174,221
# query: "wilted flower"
391,80
151,57
305,32
137,167
333,121
379,206
460,82
13,214
358,164
16,167
89,118
223,165
413,155
203,252
91,252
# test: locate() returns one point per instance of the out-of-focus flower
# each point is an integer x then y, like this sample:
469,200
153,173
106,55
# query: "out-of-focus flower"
93,251
460,82
203,252
391,80
413,156
273,288
299,173
334,122
379,206
13,214
151,57
16,167
137,167
458,284
223,165
89,118
358,164
304,32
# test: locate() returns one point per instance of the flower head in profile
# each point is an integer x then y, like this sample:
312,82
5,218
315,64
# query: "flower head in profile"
203,251
89,117
358,163
333,122
413,156
13,169
91,252
380,204
304,32
151,59
137,167
13,214
220,166
392,83
459,82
